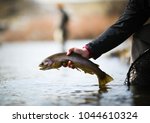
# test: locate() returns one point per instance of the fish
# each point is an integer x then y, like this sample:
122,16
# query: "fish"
58,60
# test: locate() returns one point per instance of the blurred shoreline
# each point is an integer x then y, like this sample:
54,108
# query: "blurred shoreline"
39,21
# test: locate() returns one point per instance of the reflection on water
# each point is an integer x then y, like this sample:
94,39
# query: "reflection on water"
141,96
22,83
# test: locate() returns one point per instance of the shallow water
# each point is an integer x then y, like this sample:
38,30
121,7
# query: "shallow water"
22,83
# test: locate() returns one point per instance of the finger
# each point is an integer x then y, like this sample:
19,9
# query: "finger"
70,64
70,51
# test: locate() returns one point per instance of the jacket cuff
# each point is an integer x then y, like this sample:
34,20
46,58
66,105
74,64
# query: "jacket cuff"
89,50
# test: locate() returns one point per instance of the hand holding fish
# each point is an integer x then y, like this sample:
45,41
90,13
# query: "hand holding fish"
83,52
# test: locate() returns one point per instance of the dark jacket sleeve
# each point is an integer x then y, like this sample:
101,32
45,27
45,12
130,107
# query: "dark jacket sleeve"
134,16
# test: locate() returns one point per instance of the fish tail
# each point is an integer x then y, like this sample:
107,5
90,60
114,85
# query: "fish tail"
104,79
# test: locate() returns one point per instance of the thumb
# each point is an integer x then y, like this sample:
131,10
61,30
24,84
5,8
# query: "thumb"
70,51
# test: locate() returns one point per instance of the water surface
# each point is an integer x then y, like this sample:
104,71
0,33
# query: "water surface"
22,83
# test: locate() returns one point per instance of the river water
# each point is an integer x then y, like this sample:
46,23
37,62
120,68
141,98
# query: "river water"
22,83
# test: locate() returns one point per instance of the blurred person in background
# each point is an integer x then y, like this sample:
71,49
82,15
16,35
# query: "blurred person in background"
61,33
134,20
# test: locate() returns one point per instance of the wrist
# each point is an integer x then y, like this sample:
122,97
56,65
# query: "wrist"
86,52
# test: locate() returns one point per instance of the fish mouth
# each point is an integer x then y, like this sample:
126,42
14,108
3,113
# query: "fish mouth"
42,67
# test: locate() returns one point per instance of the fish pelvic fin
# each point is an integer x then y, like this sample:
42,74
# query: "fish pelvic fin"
103,80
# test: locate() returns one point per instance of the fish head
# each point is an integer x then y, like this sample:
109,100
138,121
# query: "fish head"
46,64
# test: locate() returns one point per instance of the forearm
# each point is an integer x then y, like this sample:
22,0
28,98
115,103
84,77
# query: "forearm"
131,21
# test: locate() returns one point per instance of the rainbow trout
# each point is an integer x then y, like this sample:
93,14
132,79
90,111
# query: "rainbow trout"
80,63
